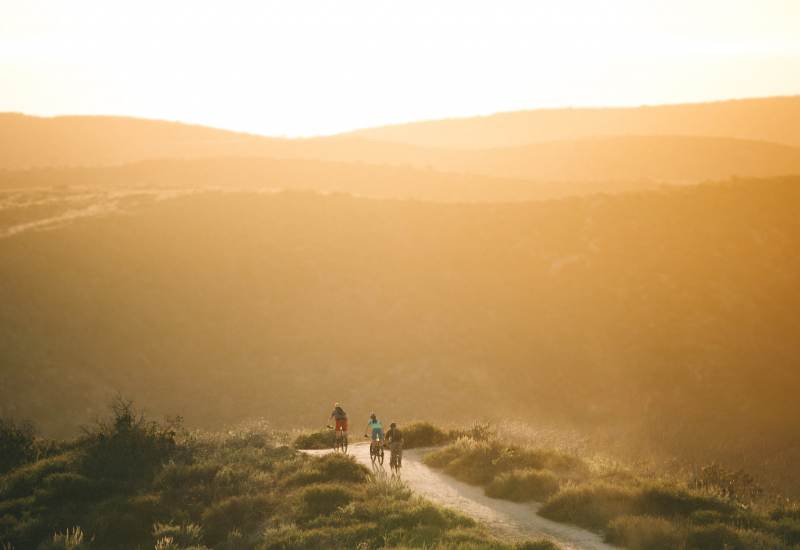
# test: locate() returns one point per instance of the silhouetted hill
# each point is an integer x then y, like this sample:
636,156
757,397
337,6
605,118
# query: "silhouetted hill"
671,313
775,119
664,158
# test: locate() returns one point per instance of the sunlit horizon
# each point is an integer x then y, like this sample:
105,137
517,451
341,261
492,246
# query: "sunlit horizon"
313,68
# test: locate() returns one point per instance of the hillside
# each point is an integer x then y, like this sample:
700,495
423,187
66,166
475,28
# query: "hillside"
266,174
31,142
670,314
774,119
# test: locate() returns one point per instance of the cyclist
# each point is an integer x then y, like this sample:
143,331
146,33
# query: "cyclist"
374,428
394,437
340,417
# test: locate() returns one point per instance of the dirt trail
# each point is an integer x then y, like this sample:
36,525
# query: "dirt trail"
509,519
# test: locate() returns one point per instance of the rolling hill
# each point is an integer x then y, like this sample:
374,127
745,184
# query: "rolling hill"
683,156
774,119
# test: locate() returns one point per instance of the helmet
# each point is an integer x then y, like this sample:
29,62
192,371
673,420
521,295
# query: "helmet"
392,425
336,404
372,416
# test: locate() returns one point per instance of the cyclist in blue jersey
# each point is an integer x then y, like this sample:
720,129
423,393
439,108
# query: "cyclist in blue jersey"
374,428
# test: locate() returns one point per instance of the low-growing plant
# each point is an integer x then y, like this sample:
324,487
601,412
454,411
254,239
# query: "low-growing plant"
645,533
718,535
321,439
71,539
591,505
185,534
242,512
523,485
17,444
424,434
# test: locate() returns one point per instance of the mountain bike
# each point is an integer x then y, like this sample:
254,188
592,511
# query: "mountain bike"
396,457
340,440
375,451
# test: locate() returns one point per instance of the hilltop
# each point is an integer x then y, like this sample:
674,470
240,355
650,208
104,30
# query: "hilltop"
751,138
774,119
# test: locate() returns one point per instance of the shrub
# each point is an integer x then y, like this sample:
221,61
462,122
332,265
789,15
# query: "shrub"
71,539
243,512
645,533
64,487
591,506
322,439
523,485
129,448
186,534
423,434
669,500
729,538
329,468
16,444
318,500
291,537
24,480
124,521
738,485
479,462
536,545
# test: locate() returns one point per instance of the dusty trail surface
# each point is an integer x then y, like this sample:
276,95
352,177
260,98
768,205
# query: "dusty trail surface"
509,519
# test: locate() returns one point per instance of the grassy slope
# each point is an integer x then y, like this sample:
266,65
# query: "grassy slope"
633,511
668,313
130,483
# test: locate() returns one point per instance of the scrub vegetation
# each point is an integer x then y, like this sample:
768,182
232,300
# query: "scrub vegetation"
129,482
713,509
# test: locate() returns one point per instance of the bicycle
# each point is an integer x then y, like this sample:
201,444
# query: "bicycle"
396,458
375,451
340,440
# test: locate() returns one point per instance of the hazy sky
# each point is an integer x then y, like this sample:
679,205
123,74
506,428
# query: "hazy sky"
299,67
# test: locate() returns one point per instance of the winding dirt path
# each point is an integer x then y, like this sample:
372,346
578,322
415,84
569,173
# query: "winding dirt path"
510,520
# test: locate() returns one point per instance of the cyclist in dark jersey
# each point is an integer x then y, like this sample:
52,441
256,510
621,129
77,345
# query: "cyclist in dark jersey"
394,437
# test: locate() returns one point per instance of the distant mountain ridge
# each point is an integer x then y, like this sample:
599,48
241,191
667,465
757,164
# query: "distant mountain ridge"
775,119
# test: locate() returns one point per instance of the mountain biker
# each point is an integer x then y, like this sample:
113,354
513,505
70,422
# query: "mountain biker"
374,428
340,417
394,437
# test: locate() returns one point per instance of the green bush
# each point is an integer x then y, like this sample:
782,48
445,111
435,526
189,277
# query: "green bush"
329,468
322,439
16,444
243,512
536,545
129,448
479,462
592,506
319,500
186,534
424,434
523,485
124,521
729,538
645,533
292,537
670,500
24,480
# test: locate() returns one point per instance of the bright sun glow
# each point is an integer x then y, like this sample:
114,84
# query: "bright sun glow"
312,67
